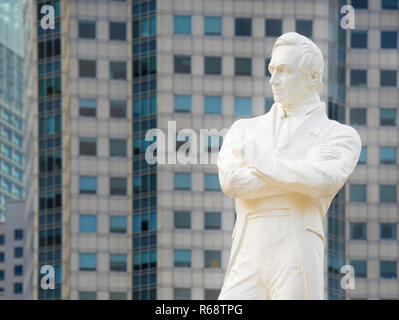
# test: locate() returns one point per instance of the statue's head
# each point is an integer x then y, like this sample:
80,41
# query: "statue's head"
296,68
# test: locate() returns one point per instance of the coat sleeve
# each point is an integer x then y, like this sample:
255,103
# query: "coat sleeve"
236,179
322,173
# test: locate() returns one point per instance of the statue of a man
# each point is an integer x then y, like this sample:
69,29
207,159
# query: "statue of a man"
284,168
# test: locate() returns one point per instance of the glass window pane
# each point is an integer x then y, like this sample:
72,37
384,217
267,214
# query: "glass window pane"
213,220
357,193
182,64
304,27
117,262
182,293
87,107
117,70
88,223
87,295
118,108
388,117
182,24
182,219
273,27
242,106
388,78
117,147
87,68
182,258
243,66
358,231
213,65
212,259
358,116
211,182
182,103
389,4
360,267
388,231
117,224
243,27
88,185
87,29
388,193
182,181
389,39
212,105
212,26
388,155
88,146
363,156
359,39
117,30
117,186
358,78
360,4
87,261
388,269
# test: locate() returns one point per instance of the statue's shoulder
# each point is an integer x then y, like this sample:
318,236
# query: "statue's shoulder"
245,123
340,130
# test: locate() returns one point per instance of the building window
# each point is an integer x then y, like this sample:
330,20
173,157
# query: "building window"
304,27
182,103
2,257
87,107
117,262
87,295
213,220
389,4
243,66
388,270
18,270
88,146
87,185
360,4
359,39
182,293
388,231
117,70
117,186
182,24
358,231
117,224
88,223
273,27
267,72
212,105
182,64
360,267
242,106
211,294
182,219
388,155
243,27
388,193
117,296
18,252
117,147
2,275
212,258
358,116
87,29
117,31
18,288
87,68
358,78
211,182
117,108
357,193
363,156
212,26
213,65
268,104
389,39
18,234
182,258
87,261
182,181
388,78
2,239
388,117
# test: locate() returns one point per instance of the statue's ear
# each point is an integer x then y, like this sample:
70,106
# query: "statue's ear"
314,78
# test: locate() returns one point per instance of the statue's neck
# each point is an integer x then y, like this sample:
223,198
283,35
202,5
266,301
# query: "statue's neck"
303,106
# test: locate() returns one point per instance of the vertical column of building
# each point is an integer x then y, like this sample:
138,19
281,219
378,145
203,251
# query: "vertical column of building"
49,147
336,111
144,27
372,103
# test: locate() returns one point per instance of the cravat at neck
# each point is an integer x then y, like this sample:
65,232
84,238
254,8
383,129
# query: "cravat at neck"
301,108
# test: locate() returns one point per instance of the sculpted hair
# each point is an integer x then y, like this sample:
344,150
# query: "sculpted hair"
312,59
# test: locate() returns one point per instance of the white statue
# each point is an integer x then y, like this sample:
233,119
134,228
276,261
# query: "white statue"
283,169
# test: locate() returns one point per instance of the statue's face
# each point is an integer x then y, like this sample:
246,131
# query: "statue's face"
289,85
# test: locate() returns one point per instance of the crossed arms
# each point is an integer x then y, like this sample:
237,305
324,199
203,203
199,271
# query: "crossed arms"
321,174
